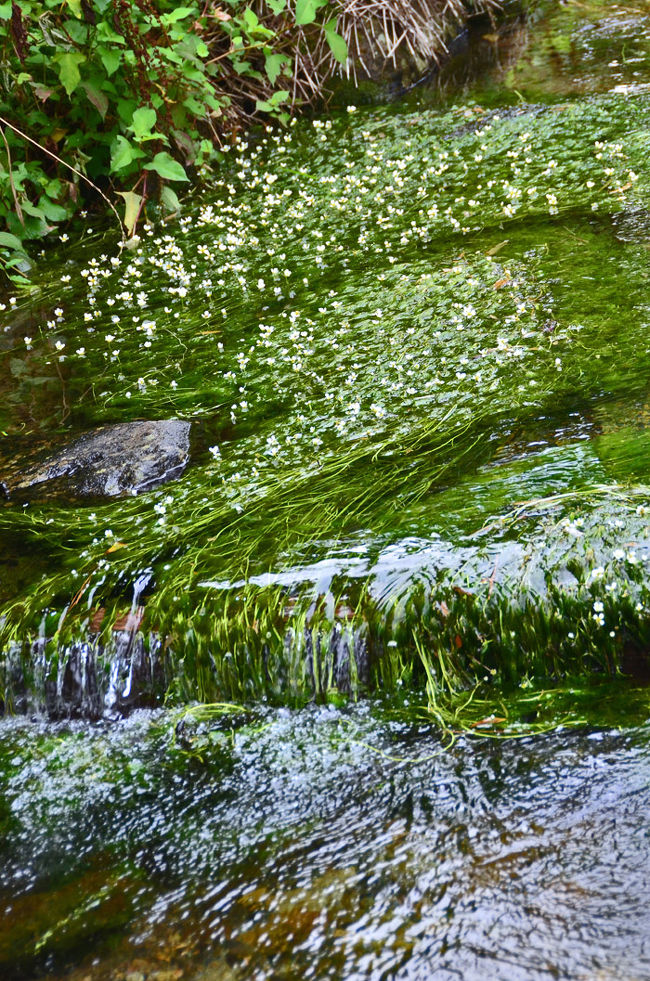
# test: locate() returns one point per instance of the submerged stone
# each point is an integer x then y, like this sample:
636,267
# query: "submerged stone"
111,461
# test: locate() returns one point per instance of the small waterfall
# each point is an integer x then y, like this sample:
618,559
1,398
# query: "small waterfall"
131,668
75,691
336,659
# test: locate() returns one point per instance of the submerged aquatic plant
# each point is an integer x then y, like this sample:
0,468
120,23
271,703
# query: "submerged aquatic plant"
388,374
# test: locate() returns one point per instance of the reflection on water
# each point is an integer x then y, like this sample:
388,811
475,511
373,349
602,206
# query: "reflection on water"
324,843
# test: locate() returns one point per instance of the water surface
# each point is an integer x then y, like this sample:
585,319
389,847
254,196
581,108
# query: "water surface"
325,842
413,341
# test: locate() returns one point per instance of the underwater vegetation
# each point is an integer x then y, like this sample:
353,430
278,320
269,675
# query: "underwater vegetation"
412,343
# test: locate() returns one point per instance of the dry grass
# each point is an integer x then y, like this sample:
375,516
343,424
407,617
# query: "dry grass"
387,28
379,33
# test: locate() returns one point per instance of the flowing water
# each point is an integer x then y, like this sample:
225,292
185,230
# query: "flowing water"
325,843
412,341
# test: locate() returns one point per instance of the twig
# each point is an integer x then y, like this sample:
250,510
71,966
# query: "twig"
19,210
54,156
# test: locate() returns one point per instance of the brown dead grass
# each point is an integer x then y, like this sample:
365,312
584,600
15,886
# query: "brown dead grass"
379,33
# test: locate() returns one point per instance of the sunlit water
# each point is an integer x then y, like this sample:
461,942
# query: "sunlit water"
324,843
413,340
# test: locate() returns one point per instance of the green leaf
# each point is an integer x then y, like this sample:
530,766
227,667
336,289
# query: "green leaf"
338,45
272,104
111,58
75,7
306,10
68,69
273,65
195,107
277,6
143,121
123,153
52,210
169,199
170,55
77,31
106,33
167,167
180,13
275,101
30,228
98,99
5,11
32,209
132,202
8,241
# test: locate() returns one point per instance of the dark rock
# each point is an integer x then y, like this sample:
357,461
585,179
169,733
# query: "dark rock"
632,226
112,461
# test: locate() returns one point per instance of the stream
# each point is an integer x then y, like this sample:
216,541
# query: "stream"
361,691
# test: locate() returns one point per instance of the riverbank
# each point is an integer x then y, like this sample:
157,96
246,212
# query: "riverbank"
122,104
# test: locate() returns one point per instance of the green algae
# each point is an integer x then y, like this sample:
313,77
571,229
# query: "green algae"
414,344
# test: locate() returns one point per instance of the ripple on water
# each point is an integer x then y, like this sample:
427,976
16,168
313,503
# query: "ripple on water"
326,842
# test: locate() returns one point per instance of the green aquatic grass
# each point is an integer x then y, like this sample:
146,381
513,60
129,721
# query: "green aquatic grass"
390,327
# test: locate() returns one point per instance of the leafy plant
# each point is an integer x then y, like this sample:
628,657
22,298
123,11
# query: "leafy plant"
130,97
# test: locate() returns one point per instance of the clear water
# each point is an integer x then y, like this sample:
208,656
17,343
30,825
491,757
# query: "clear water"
392,328
441,399
324,843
